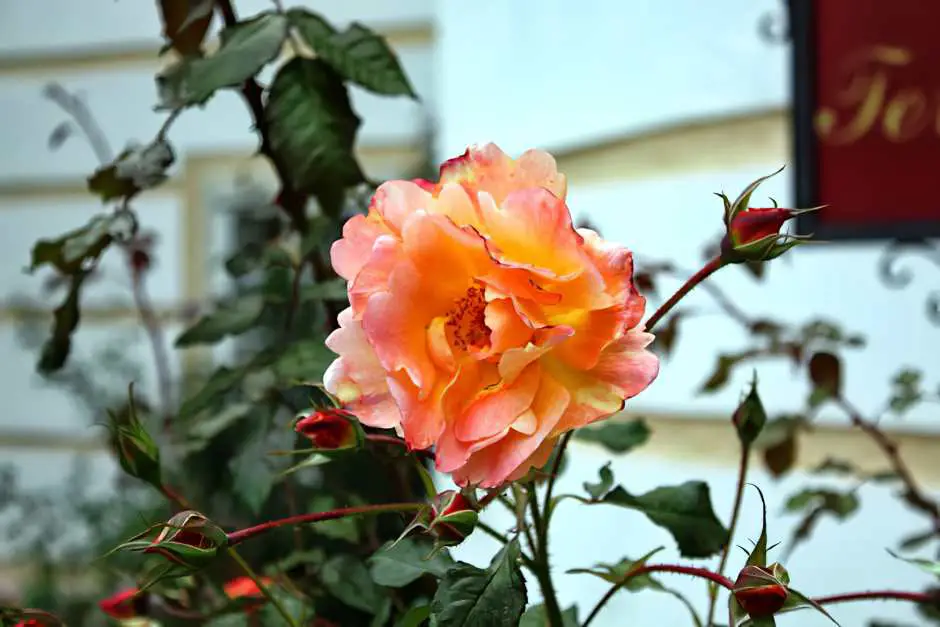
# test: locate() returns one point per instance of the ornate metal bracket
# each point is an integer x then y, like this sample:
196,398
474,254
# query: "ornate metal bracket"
774,26
897,277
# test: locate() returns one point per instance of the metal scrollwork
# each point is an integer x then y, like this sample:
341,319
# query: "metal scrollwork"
774,26
896,276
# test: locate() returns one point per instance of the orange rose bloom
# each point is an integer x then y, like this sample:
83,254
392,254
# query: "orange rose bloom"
481,322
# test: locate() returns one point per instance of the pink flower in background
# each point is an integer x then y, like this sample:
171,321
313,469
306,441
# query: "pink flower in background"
481,322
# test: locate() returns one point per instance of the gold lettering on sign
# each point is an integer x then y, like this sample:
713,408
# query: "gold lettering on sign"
869,102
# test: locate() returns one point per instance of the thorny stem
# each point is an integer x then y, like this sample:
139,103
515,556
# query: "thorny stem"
263,588
552,476
914,494
704,272
702,573
722,299
241,535
541,569
879,595
252,93
735,513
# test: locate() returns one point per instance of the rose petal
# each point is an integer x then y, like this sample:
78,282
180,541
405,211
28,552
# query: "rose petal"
495,410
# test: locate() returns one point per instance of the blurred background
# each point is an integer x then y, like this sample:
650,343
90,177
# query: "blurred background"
650,107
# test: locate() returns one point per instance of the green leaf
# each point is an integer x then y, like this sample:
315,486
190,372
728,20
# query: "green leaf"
77,250
255,256
305,360
232,317
137,168
252,475
347,578
65,318
602,487
312,127
721,374
358,54
617,436
684,510
334,289
220,383
74,254
816,503
616,573
835,466
312,27
780,457
906,390
398,564
749,418
825,372
415,617
930,566
246,48
536,616
472,597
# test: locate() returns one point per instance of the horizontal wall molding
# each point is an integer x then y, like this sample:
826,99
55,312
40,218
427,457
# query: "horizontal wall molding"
712,440
147,54
35,439
193,165
91,315
716,143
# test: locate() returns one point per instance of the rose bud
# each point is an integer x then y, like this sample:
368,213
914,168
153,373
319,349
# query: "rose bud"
188,539
453,518
330,429
761,590
132,445
127,603
753,233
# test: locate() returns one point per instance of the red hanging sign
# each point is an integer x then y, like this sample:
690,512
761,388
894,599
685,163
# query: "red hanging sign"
867,117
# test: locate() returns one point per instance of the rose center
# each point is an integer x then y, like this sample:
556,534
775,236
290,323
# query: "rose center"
466,321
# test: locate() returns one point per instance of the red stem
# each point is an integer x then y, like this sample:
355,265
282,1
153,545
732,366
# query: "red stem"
241,535
176,497
704,272
878,595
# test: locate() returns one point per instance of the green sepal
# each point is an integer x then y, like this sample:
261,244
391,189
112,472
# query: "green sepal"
742,201
135,449
797,600
758,556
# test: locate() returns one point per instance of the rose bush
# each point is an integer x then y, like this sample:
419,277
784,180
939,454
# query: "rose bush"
481,322
469,322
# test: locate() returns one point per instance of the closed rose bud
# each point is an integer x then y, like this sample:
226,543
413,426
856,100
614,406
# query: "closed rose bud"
330,429
453,518
135,449
754,224
753,233
759,591
127,603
